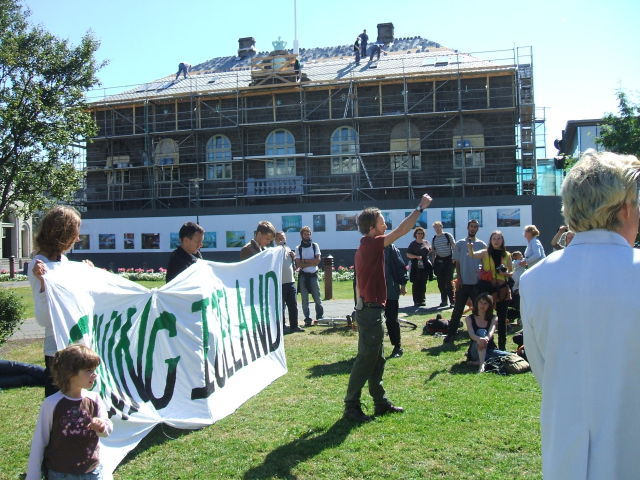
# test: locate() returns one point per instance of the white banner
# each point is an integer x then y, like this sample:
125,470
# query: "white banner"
186,354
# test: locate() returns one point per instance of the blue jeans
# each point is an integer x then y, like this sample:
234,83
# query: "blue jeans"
309,285
18,374
491,352
93,475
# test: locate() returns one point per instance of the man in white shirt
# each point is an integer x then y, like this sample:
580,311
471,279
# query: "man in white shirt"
580,310
307,260
288,284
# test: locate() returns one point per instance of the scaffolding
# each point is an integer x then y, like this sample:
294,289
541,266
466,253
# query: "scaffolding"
457,128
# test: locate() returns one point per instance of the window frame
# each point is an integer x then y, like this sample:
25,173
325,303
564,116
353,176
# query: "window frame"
344,150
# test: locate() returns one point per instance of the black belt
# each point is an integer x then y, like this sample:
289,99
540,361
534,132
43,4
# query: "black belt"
373,305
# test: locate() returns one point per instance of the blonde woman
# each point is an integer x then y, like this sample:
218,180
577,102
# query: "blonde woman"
534,251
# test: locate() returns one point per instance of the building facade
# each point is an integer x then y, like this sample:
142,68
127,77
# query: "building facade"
273,129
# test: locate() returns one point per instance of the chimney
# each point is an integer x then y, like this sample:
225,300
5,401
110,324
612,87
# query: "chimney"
385,33
246,47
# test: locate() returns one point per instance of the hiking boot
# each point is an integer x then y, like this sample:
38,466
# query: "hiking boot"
397,352
356,414
296,329
387,408
308,322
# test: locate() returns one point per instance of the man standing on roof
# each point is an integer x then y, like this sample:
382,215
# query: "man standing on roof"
364,38
356,50
183,68
307,260
371,295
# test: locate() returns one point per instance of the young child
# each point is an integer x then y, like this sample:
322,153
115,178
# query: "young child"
65,441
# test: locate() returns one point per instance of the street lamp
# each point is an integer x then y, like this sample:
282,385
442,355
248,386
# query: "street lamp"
454,183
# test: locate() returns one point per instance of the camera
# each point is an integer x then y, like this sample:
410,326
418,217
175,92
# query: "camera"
501,269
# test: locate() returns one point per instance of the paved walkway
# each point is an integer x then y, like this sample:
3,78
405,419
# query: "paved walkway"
30,329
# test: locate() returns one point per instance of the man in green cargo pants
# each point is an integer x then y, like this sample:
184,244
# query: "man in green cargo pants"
371,296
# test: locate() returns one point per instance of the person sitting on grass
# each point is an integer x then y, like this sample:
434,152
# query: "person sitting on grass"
481,325
65,441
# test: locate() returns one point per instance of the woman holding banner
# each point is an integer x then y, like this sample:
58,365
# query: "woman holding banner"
58,231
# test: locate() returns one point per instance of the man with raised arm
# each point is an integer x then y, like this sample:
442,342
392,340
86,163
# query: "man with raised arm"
371,297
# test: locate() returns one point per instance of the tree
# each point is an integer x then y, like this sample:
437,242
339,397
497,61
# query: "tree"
621,134
43,115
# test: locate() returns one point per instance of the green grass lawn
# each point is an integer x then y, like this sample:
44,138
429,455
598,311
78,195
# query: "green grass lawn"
457,424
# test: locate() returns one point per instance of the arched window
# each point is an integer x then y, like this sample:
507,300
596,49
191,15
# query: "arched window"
344,144
219,156
405,148
468,143
166,155
279,144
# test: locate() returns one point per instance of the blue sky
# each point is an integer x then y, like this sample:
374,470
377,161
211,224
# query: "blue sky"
583,51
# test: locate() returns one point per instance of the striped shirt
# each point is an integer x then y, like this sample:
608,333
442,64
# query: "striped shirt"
442,247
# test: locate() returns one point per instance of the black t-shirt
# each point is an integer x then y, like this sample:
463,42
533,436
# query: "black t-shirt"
179,261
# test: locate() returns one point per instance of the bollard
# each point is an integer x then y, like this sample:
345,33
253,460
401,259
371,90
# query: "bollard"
328,277
12,266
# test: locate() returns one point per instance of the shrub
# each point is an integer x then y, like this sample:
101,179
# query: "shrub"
11,309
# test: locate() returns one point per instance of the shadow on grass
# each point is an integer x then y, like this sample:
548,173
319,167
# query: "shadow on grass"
346,329
440,349
280,462
337,368
463,368
159,435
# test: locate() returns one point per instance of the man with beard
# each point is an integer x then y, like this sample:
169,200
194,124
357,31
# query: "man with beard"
307,260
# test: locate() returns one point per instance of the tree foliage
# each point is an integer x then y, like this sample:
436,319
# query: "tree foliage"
43,81
621,134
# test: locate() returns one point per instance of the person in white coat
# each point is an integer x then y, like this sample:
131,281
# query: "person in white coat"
581,310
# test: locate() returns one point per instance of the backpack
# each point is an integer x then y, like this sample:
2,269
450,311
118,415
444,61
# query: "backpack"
507,364
448,237
313,245
436,325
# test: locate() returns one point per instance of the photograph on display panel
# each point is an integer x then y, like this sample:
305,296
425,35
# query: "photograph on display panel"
475,214
107,241
319,223
508,217
210,240
83,243
129,241
235,239
150,241
291,223
346,222
446,217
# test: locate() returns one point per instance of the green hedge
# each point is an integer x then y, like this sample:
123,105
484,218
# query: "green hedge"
11,309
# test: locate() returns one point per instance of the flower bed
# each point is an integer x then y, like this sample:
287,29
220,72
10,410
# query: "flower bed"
18,277
340,274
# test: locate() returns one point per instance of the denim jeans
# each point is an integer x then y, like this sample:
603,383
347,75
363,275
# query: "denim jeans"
18,374
93,475
309,285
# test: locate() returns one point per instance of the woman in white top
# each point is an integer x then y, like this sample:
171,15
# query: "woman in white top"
58,231
534,251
